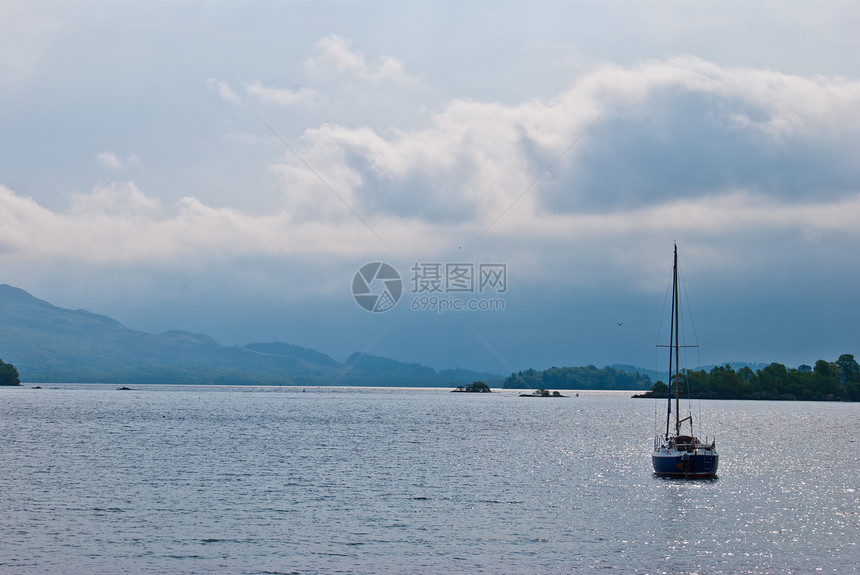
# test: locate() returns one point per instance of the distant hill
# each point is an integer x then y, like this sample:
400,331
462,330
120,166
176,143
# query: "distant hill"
588,377
49,344
736,365
299,354
652,374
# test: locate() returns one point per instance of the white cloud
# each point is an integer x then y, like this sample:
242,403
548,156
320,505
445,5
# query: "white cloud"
118,224
122,199
671,129
111,161
280,96
224,90
336,52
335,56
686,150
338,84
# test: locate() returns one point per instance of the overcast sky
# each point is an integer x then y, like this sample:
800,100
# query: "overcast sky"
226,168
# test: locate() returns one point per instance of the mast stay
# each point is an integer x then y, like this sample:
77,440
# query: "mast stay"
675,346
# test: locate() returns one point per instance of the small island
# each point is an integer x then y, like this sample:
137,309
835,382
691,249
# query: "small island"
475,387
542,393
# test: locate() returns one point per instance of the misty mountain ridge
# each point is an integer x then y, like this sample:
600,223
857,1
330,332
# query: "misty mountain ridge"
50,344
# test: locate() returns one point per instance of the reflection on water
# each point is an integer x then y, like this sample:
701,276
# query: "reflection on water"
252,480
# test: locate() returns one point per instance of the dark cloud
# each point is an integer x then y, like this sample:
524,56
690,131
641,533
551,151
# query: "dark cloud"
689,145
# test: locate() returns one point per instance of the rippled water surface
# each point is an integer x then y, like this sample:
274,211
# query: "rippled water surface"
346,480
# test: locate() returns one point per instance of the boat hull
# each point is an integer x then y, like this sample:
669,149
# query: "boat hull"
672,463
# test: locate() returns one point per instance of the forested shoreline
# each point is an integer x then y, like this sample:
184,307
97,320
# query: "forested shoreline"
825,381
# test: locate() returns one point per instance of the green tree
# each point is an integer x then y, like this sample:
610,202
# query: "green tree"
725,382
478,387
660,389
825,382
8,374
824,368
847,368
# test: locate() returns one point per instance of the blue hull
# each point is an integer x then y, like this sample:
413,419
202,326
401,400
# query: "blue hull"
685,464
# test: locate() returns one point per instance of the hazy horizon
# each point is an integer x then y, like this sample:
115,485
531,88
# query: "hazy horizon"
227,169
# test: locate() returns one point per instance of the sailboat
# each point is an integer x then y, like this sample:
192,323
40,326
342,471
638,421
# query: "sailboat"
677,454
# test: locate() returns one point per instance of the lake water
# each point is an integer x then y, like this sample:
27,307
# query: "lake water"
167,479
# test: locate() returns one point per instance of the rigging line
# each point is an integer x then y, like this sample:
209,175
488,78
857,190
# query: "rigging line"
689,306
537,179
697,405
319,177
689,316
663,312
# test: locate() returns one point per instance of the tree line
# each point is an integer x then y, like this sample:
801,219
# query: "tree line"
588,377
825,381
